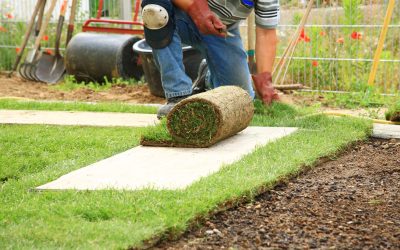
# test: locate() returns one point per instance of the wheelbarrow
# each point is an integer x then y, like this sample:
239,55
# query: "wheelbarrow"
88,24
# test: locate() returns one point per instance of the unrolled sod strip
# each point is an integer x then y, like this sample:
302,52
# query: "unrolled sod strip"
393,116
207,118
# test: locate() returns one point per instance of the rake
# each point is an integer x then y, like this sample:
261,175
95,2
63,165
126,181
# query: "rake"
281,68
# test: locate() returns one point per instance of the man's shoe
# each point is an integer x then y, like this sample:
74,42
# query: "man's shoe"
171,102
199,84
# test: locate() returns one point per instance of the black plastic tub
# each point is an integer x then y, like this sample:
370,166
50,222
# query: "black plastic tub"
191,59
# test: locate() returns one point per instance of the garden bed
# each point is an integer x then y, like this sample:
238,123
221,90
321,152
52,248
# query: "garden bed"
348,202
133,93
365,104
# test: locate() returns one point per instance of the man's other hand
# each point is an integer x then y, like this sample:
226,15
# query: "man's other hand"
264,88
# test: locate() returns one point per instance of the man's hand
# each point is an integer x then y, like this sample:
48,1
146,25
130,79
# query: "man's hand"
264,89
206,21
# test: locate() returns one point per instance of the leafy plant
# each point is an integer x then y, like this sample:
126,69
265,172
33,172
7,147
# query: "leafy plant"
352,11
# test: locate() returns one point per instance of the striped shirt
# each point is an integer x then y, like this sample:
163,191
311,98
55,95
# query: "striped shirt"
231,11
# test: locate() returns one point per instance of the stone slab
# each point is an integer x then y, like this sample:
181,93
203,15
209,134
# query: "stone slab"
76,118
386,131
165,168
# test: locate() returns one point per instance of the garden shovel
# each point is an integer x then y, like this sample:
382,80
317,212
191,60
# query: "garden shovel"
30,60
51,68
26,36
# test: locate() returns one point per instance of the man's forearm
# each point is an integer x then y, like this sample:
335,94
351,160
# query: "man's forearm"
266,44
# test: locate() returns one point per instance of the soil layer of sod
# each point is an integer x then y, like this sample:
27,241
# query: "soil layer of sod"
351,202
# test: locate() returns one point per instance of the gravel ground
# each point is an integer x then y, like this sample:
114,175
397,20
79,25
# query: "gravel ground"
352,202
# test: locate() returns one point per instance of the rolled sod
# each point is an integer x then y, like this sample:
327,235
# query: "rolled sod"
393,114
207,118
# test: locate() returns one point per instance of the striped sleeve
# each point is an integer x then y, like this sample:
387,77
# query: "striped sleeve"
267,13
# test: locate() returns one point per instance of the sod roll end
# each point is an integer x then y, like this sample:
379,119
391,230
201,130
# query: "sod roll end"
395,116
212,116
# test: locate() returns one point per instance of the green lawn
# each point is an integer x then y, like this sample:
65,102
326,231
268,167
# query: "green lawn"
76,106
33,155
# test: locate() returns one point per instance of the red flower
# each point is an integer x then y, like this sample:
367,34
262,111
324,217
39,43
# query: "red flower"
304,37
17,50
45,38
356,36
314,63
9,16
2,29
49,51
322,33
340,40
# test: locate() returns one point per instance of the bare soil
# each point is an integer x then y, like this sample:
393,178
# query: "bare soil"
18,87
352,202
21,88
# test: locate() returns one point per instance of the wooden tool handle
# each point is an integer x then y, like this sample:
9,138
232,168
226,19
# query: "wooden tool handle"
73,12
44,25
251,34
291,47
64,8
60,25
71,20
40,17
381,42
26,36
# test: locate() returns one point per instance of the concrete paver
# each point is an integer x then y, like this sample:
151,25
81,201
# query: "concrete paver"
76,118
163,167
386,131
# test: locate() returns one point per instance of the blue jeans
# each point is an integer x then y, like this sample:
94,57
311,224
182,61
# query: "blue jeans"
226,59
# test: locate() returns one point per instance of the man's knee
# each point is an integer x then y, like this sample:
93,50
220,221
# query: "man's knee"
158,20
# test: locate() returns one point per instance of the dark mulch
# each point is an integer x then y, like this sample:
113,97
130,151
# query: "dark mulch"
352,202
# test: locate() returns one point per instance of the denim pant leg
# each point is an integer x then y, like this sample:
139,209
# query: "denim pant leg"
227,61
169,61
226,57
